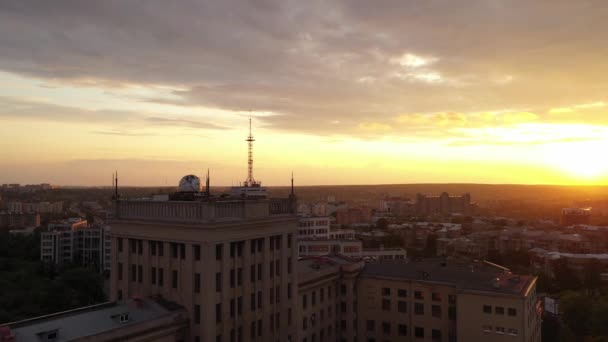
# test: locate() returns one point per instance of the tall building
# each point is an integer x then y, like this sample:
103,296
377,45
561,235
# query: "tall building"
572,216
444,204
228,260
74,242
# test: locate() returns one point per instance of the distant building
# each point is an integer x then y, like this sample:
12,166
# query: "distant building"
320,247
313,227
384,254
443,204
141,319
75,242
19,220
349,216
573,216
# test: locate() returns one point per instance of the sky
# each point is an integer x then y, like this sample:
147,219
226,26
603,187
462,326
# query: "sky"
339,92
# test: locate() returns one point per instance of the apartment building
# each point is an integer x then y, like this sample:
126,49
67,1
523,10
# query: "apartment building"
327,298
431,301
229,262
75,242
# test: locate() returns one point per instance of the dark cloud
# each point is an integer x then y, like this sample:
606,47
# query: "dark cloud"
320,66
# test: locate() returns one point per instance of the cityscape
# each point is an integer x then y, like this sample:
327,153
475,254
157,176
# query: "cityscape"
303,171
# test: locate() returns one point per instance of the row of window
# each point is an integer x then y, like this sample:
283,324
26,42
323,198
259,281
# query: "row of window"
436,310
236,335
402,330
313,297
402,293
499,330
178,250
499,310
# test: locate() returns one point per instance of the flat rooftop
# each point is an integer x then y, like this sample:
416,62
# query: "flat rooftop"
89,321
476,276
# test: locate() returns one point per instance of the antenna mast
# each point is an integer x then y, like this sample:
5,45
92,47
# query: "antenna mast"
250,180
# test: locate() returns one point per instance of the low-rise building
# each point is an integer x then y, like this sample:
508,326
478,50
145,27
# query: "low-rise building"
147,319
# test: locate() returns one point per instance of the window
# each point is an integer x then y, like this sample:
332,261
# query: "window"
343,290
436,311
402,293
487,328
161,248
452,299
452,313
343,307
232,276
370,325
277,265
304,302
239,276
197,282
386,291
386,328
197,252
278,290
153,275
512,312
271,293
152,245
218,251
499,310
419,308
304,323
197,314
386,305
232,307
252,273
174,252
182,251
259,271
289,238
487,309
260,245
512,332
132,246
402,330
253,330
271,269
218,312
260,303
252,304
140,247
140,273
500,330
218,282
161,277
419,332
418,295
119,244
119,271
289,265
314,298
124,318
259,327
321,294
133,273
436,335
402,306
174,279
436,297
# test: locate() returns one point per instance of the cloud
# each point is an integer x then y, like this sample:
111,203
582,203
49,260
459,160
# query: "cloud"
316,62
21,109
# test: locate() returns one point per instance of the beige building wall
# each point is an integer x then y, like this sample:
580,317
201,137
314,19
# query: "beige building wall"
237,273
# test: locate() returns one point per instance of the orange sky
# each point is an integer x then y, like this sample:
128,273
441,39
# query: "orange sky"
340,92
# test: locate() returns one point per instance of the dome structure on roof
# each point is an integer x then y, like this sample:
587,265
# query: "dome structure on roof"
190,183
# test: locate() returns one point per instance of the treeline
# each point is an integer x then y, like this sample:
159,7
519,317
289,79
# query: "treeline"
30,288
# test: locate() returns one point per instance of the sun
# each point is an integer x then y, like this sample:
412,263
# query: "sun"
584,161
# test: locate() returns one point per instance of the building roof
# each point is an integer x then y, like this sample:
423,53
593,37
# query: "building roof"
477,276
89,321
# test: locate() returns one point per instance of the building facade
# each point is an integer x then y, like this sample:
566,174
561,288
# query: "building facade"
443,204
230,263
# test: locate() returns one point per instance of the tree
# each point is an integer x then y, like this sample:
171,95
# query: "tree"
565,278
591,274
382,224
430,250
576,312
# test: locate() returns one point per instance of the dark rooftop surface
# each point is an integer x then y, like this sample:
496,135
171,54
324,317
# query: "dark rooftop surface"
476,276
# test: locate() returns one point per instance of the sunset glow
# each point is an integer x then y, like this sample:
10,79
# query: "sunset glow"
500,99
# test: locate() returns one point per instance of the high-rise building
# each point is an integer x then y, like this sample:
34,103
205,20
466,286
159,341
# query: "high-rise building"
444,204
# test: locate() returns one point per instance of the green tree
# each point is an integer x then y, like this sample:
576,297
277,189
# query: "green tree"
576,312
591,274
